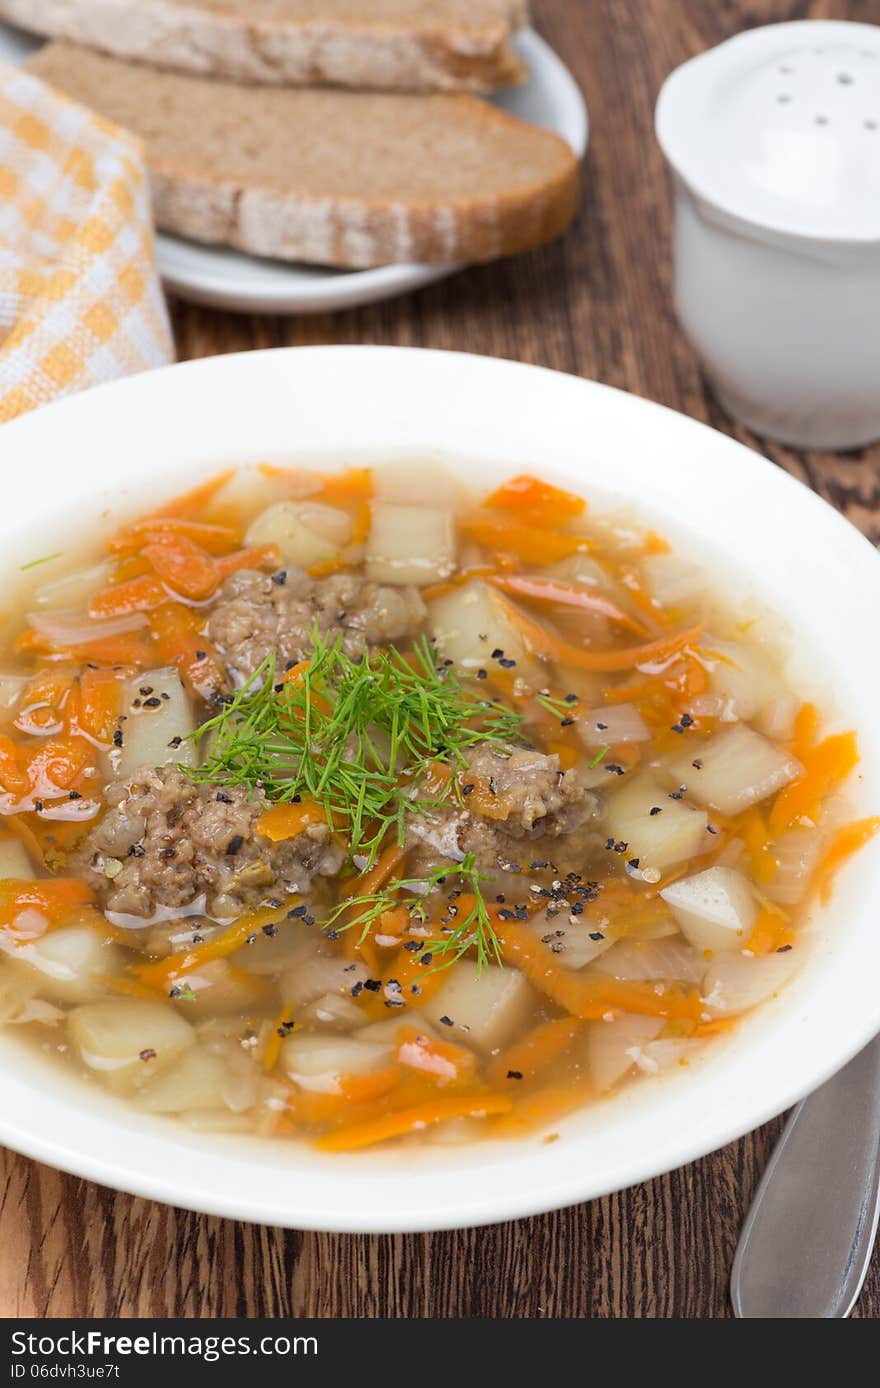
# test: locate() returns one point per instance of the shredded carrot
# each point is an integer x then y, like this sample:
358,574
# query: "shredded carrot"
530,494
285,821
130,987
360,1089
19,826
193,502
825,765
183,566
752,828
847,841
13,778
216,539
280,1027
355,484
134,595
179,641
162,972
261,557
590,998
539,1048
566,595
368,883
530,543
439,1061
23,904
96,704
806,726
414,1119
770,932
542,642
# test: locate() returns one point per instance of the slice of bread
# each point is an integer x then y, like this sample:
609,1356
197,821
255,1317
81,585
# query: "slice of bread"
404,45
328,176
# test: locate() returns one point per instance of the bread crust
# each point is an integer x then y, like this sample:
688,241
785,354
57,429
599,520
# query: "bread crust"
474,57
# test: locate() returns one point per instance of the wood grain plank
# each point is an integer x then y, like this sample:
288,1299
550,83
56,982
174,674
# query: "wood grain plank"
599,304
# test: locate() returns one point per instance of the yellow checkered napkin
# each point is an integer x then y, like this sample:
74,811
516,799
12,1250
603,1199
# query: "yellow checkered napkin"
80,301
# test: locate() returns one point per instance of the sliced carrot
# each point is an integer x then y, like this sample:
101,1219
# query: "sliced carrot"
360,1089
565,595
184,566
288,820
368,883
825,765
163,972
134,595
530,543
544,643
439,1061
414,1119
56,765
539,1048
585,997
527,493
131,648
847,841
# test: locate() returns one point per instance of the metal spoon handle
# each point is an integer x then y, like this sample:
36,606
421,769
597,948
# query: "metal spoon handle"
806,1243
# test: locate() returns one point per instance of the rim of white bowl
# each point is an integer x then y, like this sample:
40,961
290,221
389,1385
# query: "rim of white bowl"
193,411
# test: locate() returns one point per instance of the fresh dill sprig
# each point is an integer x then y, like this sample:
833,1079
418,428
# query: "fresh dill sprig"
602,752
473,929
560,708
356,736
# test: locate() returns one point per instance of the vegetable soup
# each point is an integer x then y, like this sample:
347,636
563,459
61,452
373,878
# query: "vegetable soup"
344,806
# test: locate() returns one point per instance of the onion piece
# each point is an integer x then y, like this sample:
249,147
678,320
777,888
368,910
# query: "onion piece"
642,960
797,854
735,982
606,727
613,1048
738,768
78,629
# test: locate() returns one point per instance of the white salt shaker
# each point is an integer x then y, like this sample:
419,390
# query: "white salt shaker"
773,139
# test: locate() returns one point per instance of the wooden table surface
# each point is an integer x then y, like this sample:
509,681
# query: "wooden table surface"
597,304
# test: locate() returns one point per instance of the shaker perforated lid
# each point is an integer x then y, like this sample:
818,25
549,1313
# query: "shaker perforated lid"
780,127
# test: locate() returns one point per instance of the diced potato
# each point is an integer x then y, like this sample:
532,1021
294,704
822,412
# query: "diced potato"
715,909
738,768
410,544
736,982
195,1081
657,840
306,532
470,623
293,943
251,488
219,986
743,677
69,962
614,1048
11,687
488,1007
73,592
126,1041
416,482
639,961
320,1062
318,974
148,731
673,581
569,939
15,861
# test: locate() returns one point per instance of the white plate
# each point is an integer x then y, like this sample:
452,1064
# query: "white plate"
230,279
123,445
